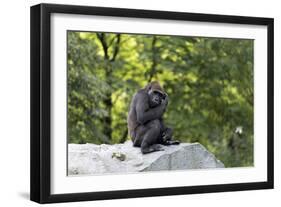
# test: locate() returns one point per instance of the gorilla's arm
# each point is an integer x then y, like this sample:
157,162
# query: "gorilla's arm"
144,112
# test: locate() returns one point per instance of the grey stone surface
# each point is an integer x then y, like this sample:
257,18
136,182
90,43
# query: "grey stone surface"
87,159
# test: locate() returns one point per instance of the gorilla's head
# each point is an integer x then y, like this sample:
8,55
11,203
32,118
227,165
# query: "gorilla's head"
156,94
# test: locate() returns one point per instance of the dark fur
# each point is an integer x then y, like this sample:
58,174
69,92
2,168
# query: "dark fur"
145,122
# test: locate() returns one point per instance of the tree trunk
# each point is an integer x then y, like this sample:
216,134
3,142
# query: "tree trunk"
107,129
153,59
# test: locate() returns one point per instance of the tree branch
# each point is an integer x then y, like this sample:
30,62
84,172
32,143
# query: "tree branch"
154,63
101,37
116,48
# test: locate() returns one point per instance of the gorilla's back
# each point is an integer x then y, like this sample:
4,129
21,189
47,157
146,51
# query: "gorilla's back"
132,115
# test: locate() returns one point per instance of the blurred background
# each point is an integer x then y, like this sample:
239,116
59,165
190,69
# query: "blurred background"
209,82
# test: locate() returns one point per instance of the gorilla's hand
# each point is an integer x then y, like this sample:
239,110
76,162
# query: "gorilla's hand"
164,103
165,100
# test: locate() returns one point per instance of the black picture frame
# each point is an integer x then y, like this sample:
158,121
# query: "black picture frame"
41,96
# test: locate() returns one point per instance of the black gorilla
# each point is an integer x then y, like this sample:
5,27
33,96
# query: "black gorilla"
145,122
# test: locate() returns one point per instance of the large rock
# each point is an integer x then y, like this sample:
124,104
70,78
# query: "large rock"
122,158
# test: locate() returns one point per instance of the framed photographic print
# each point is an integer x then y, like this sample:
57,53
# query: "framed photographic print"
132,103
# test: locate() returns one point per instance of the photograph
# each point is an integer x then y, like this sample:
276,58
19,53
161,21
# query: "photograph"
146,102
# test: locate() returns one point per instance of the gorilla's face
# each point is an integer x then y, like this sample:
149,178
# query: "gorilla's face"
156,98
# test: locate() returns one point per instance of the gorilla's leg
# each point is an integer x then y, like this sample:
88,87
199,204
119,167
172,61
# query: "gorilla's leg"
139,133
150,138
167,134
167,137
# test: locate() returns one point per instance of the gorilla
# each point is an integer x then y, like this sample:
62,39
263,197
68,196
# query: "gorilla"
145,119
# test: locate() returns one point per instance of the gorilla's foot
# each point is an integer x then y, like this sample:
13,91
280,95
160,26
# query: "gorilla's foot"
172,142
152,148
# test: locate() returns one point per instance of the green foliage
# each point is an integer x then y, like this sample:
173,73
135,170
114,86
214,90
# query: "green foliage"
209,82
